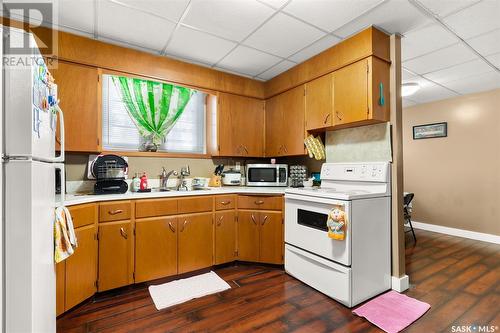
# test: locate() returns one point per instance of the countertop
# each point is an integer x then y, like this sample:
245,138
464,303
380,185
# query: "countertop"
75,199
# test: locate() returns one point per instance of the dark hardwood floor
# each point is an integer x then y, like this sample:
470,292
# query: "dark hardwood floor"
459,277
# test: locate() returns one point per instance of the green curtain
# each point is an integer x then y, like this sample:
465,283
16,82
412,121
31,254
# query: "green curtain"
153,106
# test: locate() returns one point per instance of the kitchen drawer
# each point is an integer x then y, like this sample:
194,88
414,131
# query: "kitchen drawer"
155,207
328,277
223,202
260,202
114,211
83,215
195,204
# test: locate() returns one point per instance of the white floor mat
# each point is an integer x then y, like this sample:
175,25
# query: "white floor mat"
180,291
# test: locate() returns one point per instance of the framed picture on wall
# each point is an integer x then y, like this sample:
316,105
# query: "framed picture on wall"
429,131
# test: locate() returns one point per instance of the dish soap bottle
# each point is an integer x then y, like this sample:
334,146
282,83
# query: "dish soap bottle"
143,187
136,183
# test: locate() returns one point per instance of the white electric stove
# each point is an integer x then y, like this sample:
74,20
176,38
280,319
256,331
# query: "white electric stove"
356,268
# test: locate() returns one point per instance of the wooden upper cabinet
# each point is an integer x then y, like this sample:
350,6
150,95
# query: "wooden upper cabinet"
319,103
195,242
81,267
116,255
285,115
155,248
240,126
225,237
78,91
271,237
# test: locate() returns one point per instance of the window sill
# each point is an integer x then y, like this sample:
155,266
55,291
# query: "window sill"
132,153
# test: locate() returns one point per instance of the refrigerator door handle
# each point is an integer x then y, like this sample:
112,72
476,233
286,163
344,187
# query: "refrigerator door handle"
60,158
60,166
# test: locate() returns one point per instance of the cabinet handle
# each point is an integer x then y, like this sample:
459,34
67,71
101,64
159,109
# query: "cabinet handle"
184,225
253,219
123,233
171,226
259,202
265,220
279,150
339,115
246,150
326,119
220,220
225,203
114,212
286,150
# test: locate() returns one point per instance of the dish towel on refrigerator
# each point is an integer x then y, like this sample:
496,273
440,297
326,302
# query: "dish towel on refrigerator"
64,235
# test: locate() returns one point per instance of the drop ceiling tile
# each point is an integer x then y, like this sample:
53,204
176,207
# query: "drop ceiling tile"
427,39
76,14
276,70
407,76
445,7
315,48
486,44
198,46
431,93
76,32
248,61
233,72
394,16
460,71
440,59
132,26
283,36
476,83
475,20
171,9
127,45
274,3
494,59
422,82
329,15
408,103
229,19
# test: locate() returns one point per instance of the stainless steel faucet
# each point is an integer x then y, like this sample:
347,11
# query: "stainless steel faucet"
185,172
164,178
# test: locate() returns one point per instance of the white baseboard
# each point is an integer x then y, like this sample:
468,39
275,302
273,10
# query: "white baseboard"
400,284
457,232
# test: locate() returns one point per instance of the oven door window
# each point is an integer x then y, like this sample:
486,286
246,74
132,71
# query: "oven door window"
313,220
267,175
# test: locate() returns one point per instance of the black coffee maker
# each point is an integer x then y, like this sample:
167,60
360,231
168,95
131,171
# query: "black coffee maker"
110,172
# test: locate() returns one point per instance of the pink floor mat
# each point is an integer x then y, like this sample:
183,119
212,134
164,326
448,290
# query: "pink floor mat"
392,311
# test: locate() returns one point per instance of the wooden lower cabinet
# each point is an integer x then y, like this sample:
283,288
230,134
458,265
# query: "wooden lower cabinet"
248,235
225,237
60,287
271,237
195,242
116,255
81,267
155,248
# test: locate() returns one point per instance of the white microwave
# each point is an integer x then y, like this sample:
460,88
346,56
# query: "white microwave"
267,175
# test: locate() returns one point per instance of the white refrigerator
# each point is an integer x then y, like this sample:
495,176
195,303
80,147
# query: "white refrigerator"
29,161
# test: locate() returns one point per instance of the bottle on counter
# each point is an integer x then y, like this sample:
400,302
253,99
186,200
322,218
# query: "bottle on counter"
136,183
144,182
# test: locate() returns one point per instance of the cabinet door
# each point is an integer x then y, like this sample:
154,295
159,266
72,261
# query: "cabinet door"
225,237
60,287
155,248
293,105
78,91
274,126
248,235
241,126
81,267
319,103
351,93
271,237
195,242
116,255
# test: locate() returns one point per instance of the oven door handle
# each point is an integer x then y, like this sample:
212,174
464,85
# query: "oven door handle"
305,198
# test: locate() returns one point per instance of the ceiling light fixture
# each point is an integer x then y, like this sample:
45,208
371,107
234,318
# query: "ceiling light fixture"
409,88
